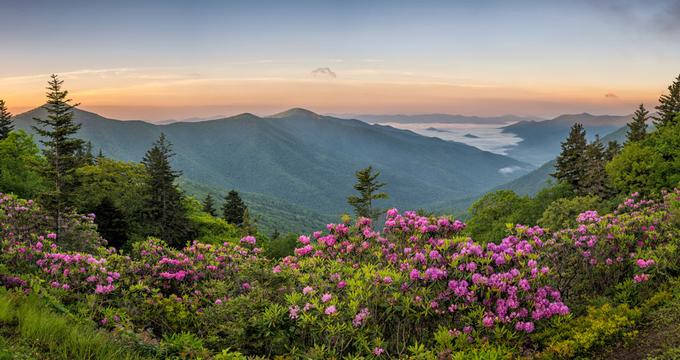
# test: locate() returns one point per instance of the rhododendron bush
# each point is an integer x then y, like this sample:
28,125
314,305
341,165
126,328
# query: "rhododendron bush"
633,243
414,278
412,285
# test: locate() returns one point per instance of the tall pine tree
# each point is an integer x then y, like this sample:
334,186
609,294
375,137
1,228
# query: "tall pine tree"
637,127
209,205
233,208
5,121
163,208
669,105
368,187
570,165
595,181
61,149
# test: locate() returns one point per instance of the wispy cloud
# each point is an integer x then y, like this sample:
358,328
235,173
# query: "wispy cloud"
611,96
324,72
67,74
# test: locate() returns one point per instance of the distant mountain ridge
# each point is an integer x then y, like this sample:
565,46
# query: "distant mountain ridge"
541,139
440,118
303,158
538,179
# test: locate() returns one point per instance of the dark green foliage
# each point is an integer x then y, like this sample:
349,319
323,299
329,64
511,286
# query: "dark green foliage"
209,205
163,202
234,208
85,155
613,148
594,180
20,166
124,184
281,246
669,105
5,121
368,187
569,166
111,223
637,127
649,165
210,229
61,148
562,213
490,215
249,224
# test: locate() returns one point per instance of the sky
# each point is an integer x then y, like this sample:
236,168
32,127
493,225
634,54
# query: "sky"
158,60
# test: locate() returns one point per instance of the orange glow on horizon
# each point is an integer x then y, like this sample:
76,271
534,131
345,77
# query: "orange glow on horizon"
157,97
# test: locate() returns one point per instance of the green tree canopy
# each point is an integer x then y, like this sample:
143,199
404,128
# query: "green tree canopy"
490,215
163,207
595,181
234,208
111,223
669,105
20,166
368,186
637,127
209,205
570,167
562,213
61,149
123,183
650,165
6,124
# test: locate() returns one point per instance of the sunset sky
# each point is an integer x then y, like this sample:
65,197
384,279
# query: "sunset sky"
178,59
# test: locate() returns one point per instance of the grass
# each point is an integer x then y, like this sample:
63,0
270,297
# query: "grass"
28,327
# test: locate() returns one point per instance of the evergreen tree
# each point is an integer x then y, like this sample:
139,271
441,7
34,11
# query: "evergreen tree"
595,181
669,105
613,148
367,186
248,225
637,127
209,205
570,167
233,208
5,121
61,149
100,156
163,208
111,223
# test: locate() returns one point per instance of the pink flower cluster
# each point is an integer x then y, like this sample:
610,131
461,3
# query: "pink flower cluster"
447,276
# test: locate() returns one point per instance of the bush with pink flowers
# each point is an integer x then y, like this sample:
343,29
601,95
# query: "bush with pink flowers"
415,286
635,242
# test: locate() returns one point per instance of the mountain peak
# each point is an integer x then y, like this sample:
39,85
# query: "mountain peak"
295,112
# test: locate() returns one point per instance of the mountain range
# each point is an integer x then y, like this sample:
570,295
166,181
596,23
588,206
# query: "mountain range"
541,140
538,179
439,118
302,161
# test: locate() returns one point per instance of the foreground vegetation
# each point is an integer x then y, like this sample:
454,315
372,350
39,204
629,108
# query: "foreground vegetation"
416,289
112,261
